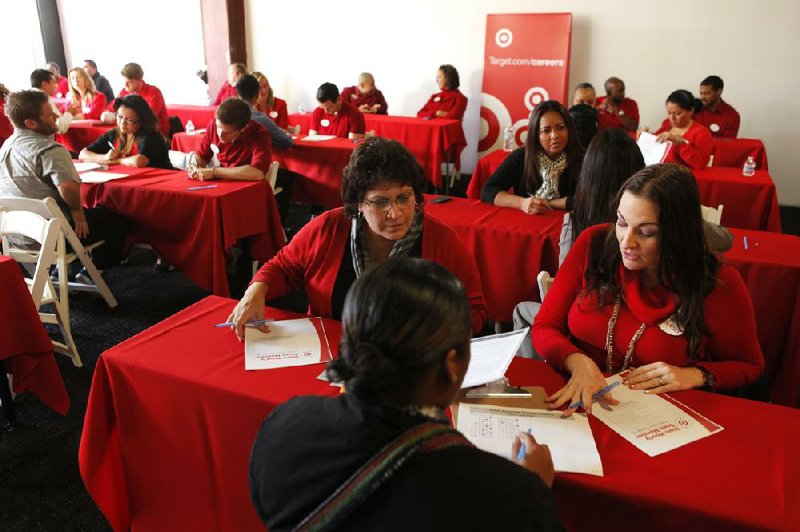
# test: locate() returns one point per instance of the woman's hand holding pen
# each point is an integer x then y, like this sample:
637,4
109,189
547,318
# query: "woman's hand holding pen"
535,458
531,205
249,308
585,380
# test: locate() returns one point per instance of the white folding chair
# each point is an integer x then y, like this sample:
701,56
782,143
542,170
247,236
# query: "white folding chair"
48,209
49,235
179,159
712,215
294,130
545,280
369,134
272,178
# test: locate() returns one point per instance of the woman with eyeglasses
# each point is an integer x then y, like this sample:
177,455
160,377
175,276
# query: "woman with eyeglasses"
383,217
136,141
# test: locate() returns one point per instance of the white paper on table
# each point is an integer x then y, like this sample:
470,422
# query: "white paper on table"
83,122
289,343
654,424
100,177
491,356
652,151
318,138
493,429
85,167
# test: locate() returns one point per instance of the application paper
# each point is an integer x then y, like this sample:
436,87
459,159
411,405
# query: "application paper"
100,177
493,429
491,356
654,424
652,151
319,138
297,342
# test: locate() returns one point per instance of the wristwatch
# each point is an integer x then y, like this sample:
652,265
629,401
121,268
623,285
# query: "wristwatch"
709,380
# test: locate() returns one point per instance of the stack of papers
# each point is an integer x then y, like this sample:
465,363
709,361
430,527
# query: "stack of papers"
491,356
297,342
318,138
100,177
85,167
652,151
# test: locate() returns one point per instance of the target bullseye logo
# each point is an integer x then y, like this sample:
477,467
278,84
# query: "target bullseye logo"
535,96
503,38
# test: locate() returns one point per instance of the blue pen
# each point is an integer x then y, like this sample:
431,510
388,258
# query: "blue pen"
521,453
202,188
248,324
745,243
596,395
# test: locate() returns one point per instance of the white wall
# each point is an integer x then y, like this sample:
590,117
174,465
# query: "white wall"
655,46
164,36
20,42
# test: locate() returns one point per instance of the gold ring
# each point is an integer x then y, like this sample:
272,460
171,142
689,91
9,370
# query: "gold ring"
661,381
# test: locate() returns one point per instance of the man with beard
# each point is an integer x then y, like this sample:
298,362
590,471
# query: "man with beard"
717,115
623,112
34,165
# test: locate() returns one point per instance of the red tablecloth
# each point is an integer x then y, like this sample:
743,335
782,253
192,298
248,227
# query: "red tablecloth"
186,143
771,269
193,229
750,202
509,246
429,140
24,344
200,115
81,133
734,152
166,443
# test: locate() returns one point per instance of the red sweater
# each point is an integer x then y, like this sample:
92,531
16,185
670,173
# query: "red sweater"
568,324
313,257
152,95
722,122
226,91
628,106
356,98
347,120
91,111
695,152
451,101
278,113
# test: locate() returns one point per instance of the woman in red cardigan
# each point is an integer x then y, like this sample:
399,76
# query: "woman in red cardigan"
648,293
383,217
85,101
267,103
448,102
691,141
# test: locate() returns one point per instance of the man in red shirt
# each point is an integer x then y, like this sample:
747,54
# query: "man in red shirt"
134,84
62,91
365,96
622,112
242,147
717,115
228,89
585,94
336,117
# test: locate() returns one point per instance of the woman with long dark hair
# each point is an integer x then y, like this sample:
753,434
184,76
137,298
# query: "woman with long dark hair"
648,293
404,351
136,141
691,140
543,173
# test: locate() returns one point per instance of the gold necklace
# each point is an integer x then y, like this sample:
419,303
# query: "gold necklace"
612,323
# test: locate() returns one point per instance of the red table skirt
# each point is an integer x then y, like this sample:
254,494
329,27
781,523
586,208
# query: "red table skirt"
200,115
82,133
166,442
750,202
734,152
24,344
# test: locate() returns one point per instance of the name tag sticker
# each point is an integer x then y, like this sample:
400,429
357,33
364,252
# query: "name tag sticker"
325,122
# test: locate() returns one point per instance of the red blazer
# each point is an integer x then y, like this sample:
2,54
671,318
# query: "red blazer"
152,95
355,97
313,257
93,110
278,113
450,101
568,324
695,152
226,91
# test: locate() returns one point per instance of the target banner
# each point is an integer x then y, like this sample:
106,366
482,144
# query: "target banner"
526,61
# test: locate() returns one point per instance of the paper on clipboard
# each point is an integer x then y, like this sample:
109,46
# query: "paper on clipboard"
100,177
299,342
491,356
652,151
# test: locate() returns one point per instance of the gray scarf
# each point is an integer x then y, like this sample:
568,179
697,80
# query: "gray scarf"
401,248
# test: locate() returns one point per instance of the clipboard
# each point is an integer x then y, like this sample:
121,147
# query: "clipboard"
537,399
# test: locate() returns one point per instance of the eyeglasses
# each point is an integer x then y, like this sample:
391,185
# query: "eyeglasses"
403,200
129,121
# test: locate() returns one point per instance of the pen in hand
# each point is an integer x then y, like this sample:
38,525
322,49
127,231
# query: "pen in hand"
596,395
254,323
521,452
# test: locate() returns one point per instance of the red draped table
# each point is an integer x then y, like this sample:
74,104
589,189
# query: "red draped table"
750,202
192,229
734,152
82,133
172,415
431,141
200,115
25,346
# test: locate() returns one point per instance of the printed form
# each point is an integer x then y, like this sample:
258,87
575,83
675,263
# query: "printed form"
297,342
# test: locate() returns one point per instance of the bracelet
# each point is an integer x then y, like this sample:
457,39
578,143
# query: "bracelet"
709,380
214,172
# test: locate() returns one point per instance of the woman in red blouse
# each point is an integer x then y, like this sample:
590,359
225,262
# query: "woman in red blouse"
267,103
85,101
448,102
691,141
648,295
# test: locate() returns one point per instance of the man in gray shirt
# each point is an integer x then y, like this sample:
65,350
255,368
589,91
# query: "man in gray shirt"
34,165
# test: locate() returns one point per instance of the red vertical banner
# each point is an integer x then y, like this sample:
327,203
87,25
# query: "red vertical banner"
526,61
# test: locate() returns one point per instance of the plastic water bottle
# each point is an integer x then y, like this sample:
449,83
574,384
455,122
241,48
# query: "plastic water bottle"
749,167
508,138
189,127
301,109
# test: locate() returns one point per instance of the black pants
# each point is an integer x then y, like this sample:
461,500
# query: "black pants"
108,226
285,180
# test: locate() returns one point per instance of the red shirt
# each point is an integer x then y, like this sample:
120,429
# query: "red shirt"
693,153
226,91
63,87
354,96
450,101
313,257
569,322
152,95
628,107
347,120
6,128
253,146
93,110
721,122
278,113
